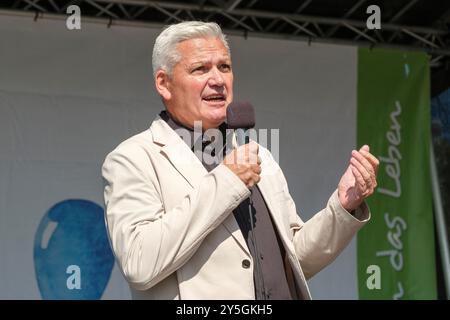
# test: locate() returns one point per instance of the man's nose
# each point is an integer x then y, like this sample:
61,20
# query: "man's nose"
216,78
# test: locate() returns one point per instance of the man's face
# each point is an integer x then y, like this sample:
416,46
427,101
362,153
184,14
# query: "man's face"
201,85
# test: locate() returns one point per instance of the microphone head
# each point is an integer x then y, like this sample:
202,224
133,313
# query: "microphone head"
240,115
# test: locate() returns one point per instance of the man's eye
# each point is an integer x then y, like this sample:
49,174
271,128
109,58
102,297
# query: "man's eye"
225,67
200,69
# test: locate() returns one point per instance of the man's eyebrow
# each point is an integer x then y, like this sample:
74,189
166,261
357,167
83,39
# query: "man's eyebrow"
206,61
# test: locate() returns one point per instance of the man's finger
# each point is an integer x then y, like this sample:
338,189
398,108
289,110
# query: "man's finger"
372,159
257,178
253,146
253,158
365,148
362,170
370,180
257,169
361,159
253,180
359,178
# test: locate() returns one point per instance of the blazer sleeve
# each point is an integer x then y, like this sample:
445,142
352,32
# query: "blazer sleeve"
150,243
322,238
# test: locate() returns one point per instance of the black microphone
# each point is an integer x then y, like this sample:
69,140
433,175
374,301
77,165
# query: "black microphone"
241,117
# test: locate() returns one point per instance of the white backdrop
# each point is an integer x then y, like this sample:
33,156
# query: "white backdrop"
68,97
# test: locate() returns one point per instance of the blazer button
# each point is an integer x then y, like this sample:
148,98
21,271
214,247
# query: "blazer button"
246,263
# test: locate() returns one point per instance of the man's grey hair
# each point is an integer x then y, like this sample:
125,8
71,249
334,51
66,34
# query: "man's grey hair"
165,53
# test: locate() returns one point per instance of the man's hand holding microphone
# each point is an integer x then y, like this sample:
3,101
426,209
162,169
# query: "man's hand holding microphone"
245,163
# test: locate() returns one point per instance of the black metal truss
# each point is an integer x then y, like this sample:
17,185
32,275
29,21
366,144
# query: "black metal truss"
259,18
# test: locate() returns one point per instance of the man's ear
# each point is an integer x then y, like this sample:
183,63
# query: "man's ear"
162,84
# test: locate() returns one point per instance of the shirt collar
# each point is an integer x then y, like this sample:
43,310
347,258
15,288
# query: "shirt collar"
175,125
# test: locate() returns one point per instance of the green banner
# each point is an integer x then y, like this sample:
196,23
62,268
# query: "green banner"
396,253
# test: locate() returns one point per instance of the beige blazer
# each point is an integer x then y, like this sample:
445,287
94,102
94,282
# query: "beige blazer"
173,233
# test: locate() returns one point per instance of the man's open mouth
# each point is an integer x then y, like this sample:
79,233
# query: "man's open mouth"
215,98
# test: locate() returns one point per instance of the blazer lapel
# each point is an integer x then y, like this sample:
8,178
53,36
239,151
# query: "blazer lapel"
177,152
232,227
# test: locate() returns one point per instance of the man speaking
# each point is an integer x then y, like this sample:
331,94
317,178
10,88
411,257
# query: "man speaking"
182,228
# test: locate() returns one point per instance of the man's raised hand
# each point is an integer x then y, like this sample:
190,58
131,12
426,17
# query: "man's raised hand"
359,180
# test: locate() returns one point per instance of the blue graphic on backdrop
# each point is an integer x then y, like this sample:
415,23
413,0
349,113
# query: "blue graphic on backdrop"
72,256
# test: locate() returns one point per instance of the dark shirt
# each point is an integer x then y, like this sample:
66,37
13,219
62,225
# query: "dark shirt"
257,227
